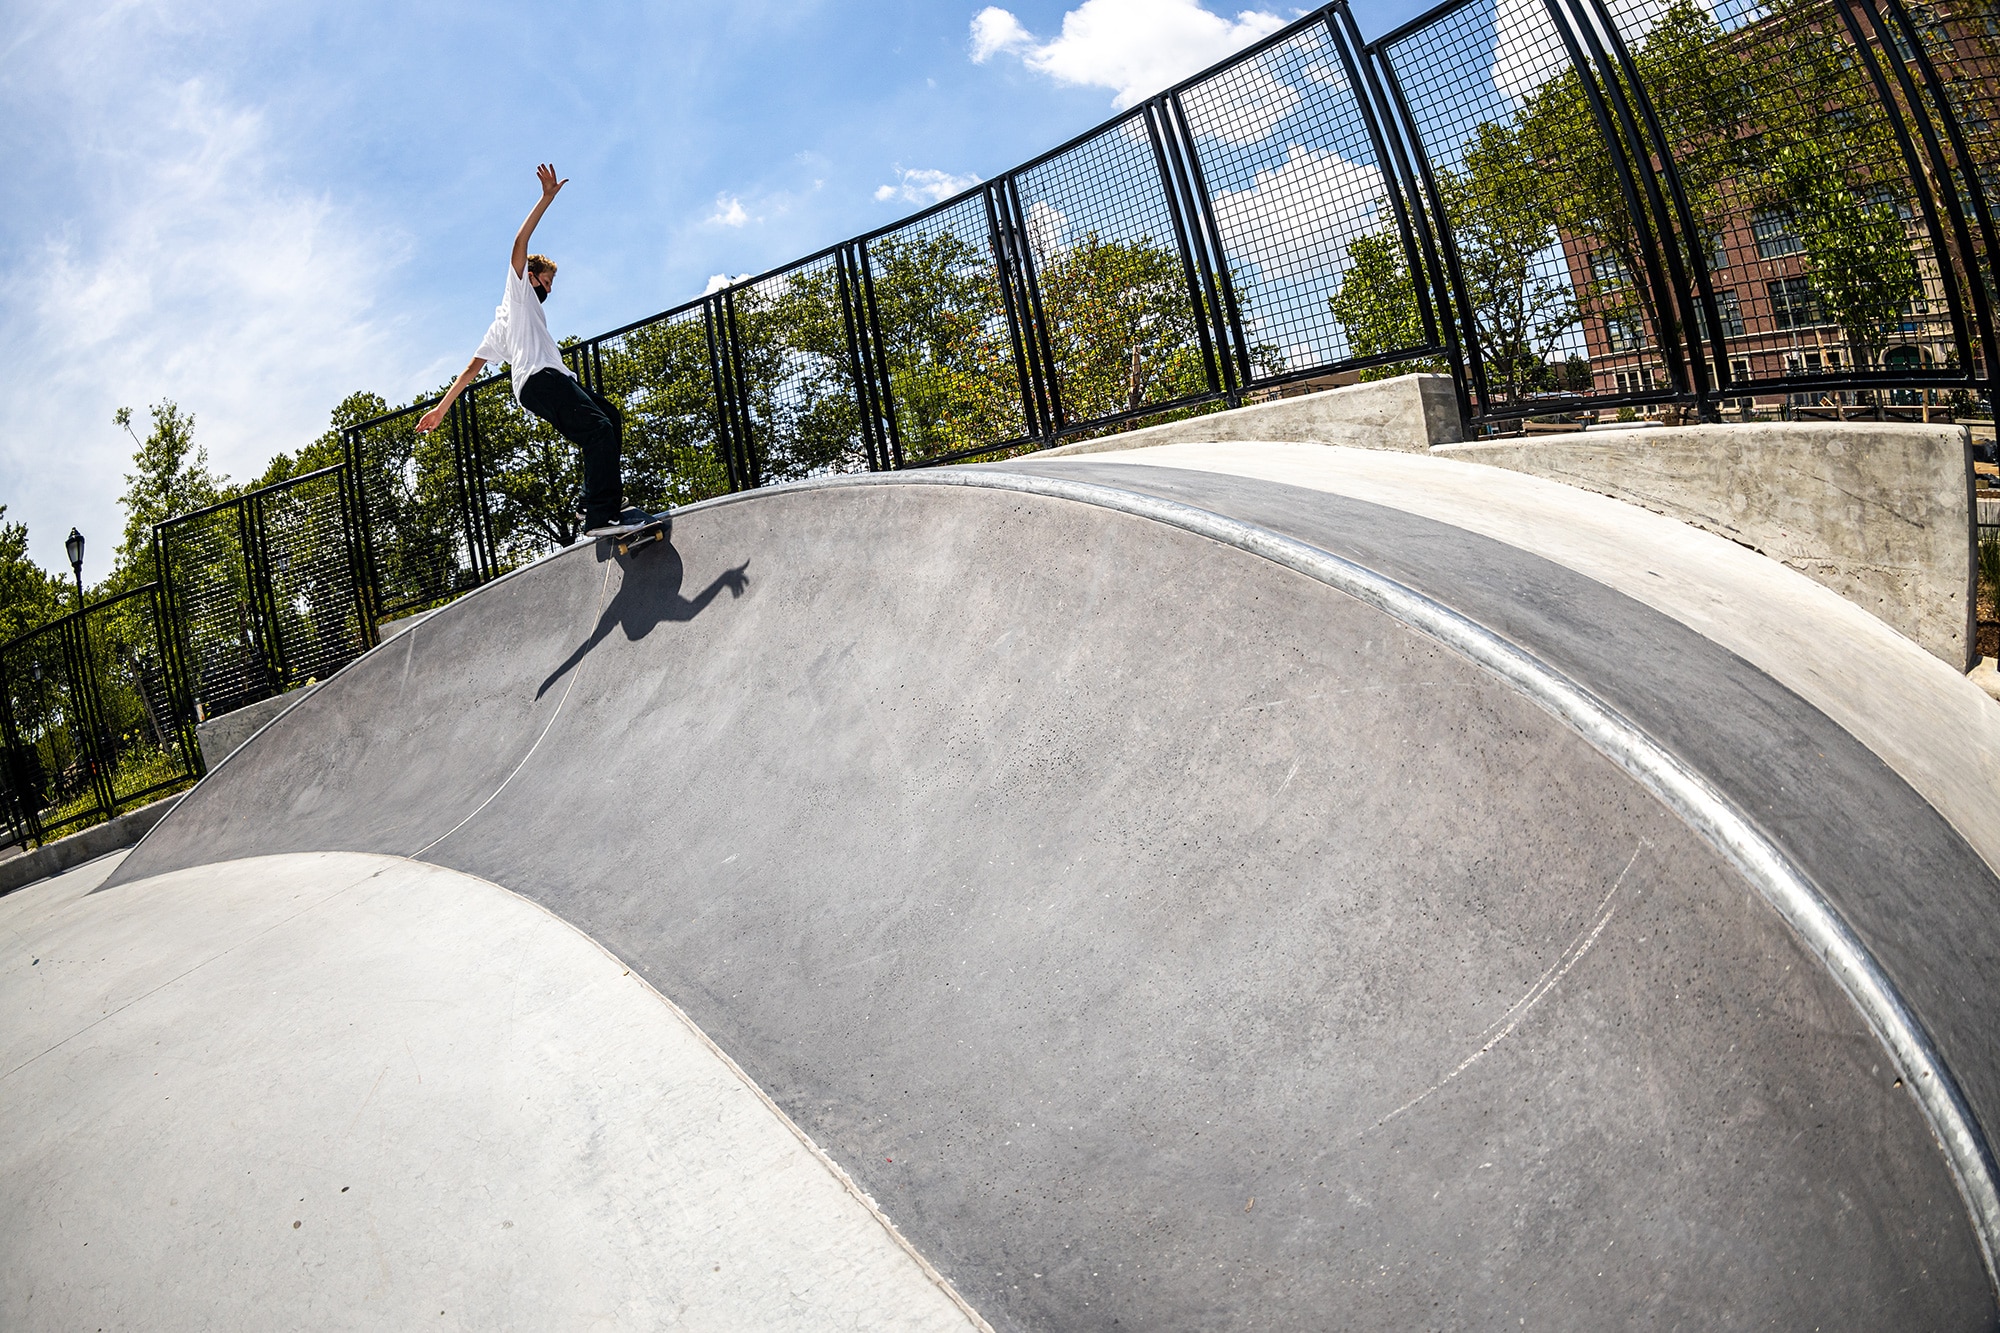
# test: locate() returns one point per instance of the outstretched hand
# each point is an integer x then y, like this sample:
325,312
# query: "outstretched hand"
546,174
428,422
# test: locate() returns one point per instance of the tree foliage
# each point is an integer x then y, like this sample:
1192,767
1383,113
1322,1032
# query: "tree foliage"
1504,229
170,475
1376,305
30,596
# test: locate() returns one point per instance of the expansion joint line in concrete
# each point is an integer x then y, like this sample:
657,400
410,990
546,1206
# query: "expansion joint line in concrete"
1687,793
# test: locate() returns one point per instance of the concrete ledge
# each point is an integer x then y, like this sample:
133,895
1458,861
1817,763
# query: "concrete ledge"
98,840
1410,412
1880,513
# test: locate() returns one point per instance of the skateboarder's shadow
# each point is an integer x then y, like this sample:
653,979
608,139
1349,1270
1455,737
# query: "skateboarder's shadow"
649,594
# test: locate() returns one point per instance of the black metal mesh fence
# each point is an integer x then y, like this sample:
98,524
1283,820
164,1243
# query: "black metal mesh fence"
1114,313
1819,240
414,513
1559,295
265,591
660,376
91,723
935,295
1320,270
1948,57
49,748
143,742
798,372
205,566
314,608
1643,206
520,485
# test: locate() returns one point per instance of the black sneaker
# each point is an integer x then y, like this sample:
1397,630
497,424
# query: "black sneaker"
604,527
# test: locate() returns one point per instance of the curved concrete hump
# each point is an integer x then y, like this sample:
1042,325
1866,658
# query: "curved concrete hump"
1161,929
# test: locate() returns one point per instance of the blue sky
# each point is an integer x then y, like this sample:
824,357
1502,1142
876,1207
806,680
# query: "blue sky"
256,209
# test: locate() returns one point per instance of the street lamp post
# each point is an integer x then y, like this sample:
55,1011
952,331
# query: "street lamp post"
74,546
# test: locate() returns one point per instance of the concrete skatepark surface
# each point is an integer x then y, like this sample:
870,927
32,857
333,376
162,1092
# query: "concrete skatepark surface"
1091,898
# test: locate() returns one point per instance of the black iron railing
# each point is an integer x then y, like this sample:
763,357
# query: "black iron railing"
265,592
91,718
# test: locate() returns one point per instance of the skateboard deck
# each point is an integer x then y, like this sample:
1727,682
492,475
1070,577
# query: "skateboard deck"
635,536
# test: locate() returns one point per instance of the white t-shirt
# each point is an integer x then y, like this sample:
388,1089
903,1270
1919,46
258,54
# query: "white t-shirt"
520,333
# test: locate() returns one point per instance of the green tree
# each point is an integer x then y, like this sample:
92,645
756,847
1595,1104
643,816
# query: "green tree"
1376,305
1827,158
1504,230
170,476
30,596
947,343
1120,326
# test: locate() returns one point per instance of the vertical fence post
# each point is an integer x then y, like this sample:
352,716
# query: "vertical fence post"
1034,320
1711,365
1170,180
1619,149
1013,298
1942,169
368,572
1969,184
1368,99
872,322
1214,321
253,629
1435,292
1205,203
857,359
725,442
1864,52
180,710
1473,371
352,535
75,640
1677,303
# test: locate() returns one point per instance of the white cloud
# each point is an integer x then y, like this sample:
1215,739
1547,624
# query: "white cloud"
1526,51
1243,108
1133,47
185,265
728,211
925,185
995,30
1301,215
717,281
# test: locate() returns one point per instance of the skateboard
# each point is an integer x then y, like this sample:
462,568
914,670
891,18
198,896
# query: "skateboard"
638,531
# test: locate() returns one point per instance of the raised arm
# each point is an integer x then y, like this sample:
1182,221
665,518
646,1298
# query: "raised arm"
547,175
428,422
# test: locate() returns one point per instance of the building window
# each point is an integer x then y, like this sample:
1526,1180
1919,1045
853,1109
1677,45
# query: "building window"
1773,230
1636,381
1729,308
1624,333
1802,363
1717,252
1607,271
1794,304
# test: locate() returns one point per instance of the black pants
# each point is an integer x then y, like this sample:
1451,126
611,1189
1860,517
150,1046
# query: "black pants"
594,425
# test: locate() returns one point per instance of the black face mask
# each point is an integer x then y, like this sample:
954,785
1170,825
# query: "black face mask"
541,293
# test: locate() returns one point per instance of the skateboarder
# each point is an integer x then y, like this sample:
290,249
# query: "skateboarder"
542,383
